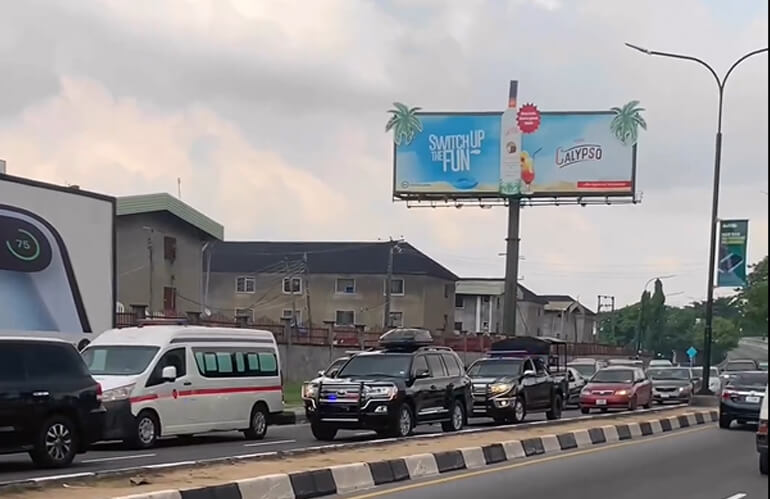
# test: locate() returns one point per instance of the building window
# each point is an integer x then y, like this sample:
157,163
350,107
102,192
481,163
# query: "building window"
292,285
169,299
459,301
459,326
396,287
169,248
295,316
397,319
245,284
345,318
246,313
346,286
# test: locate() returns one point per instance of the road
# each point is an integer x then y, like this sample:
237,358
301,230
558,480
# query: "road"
698,463
111,456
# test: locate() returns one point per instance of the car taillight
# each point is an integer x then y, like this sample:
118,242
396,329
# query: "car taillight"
762,429
99,392
726,395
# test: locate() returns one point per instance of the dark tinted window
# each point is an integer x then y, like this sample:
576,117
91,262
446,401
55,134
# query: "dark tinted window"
436,366
496,368
452,365
223,362
118,360
420,364
11,364
385,364
749,379
614,376
176,358
741,365
47,361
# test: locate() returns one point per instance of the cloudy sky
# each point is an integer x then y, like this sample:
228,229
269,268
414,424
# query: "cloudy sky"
272,113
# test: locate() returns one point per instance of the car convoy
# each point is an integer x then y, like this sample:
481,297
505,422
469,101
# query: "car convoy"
140,384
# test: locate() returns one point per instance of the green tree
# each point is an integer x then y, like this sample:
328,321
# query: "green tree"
655,334
404,123
724,337
753,300
625,125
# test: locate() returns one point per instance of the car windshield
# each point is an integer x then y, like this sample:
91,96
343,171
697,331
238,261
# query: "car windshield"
495,368
585,370
118,360
749,379
740,365
763,365
393,365
669,374
613,376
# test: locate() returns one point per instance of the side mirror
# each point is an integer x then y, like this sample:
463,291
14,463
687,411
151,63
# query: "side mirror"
321,372
422,374
332,373
168,373
529,373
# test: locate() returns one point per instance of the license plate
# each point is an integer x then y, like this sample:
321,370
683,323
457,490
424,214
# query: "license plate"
601,402
665,395
753,400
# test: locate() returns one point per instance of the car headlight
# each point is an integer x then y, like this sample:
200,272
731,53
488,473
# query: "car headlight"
380,392
586,391
120,393
499,388
309,390
623,393
684,389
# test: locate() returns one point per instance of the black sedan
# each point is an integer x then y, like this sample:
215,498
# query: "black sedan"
742,397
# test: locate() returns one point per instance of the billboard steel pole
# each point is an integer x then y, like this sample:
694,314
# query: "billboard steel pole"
511,246
707,336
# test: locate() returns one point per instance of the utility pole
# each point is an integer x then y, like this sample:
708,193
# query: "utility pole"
150,231
512,240
389,280
307,290
290,276
208,278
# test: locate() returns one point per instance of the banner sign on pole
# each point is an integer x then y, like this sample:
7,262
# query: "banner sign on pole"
731,267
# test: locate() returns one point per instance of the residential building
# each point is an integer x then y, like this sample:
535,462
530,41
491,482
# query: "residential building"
340,282
479,308
160,245
568,319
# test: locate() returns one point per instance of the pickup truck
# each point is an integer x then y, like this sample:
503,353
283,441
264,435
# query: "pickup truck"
508,388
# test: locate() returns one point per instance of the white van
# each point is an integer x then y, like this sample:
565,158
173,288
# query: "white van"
181,380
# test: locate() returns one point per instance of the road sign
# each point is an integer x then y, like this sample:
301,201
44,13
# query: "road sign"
691,352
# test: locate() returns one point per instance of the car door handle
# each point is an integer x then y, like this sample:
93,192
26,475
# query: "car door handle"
433,387
187,383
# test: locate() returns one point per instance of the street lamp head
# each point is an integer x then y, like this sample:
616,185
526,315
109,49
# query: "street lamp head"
640,49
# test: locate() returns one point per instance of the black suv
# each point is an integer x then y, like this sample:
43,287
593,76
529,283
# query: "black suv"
508,388
50,406
406,383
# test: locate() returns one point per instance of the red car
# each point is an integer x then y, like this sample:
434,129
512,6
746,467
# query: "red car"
617,388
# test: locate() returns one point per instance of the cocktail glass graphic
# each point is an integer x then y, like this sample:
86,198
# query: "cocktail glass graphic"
528,169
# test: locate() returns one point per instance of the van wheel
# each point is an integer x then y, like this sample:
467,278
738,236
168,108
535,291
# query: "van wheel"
56,443
146,431
404,424
258,424
457,415
763,463
323,432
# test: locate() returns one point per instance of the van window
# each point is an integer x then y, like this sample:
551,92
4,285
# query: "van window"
223,362
176,358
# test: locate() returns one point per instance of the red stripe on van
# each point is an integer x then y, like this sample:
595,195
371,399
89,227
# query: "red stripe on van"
143,398
224,391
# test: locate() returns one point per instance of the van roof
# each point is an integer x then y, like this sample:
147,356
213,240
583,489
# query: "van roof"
38,339
163,335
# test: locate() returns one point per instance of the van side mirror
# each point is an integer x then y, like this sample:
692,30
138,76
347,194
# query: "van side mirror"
529,373
321,372
168,373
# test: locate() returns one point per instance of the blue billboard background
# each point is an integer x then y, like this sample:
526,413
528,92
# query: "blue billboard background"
455,154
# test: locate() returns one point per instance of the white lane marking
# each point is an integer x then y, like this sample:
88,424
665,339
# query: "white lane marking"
170,465
739,495
274,442
62,477
116,458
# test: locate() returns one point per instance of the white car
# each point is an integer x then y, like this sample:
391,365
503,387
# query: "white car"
660,363
715,382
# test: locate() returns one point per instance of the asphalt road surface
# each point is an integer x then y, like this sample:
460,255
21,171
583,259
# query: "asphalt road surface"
111,456
697,463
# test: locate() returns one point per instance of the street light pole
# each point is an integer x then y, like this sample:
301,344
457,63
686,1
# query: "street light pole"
638,341
714,200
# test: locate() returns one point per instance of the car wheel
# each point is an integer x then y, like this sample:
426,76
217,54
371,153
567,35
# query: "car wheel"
457,421
585,410
323,432
519,410
648,405
258,425
724,422
633,404
763,463
555,411
146,431
56,443
404,424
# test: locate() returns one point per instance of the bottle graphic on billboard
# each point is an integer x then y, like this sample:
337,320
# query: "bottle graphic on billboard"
510,146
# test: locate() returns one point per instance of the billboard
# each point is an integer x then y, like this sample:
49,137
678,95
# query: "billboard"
448,154
485,155
731,266
576,154
57,260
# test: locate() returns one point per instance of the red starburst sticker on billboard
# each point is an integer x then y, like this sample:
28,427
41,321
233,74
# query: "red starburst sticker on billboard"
528,118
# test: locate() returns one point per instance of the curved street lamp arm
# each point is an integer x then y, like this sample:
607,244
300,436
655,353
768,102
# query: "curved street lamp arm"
735,64
693,59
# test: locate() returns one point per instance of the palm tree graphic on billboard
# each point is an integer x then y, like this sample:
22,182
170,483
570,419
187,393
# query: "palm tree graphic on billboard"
625,125
404,123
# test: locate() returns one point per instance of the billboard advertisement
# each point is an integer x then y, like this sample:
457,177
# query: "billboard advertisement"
57,260
731,266
447,154
576,154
